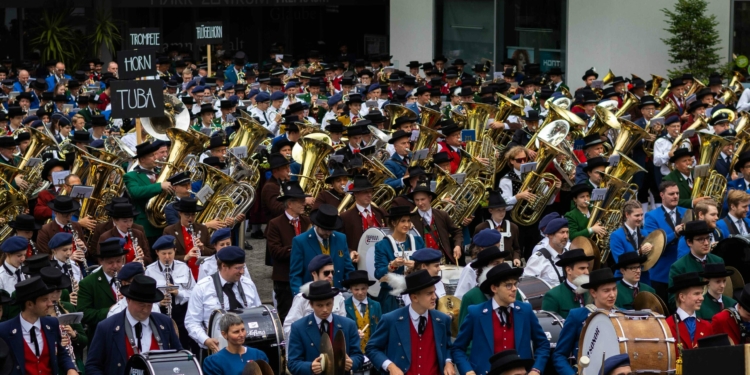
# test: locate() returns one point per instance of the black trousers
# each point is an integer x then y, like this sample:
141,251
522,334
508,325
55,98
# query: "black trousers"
284,298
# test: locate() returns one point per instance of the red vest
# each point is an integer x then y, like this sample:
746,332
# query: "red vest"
36,365
455,157
504,337
129,248
423,351
129,349
193,262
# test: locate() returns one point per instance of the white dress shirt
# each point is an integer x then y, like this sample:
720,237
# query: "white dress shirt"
739,223
209,267
8,280
122,304
684,315
466,281
181,275
507,190
301,308
26,327
539,266
146,334
662,146
426,216
73,267
203,301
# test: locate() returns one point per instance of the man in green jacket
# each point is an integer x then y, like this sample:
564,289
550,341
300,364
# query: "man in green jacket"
97,292
563,298
713,300
142,186
697,235
682,175
578,217
631,267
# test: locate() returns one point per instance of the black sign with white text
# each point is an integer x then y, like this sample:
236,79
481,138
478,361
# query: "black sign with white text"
142,37
136,63
208,33
143,98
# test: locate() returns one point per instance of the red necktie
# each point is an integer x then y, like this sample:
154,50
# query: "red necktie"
295,223
356,151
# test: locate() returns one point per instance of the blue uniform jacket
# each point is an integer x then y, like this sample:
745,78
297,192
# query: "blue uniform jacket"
736,184
657,219
618,245
397,166
722,167
415,109
374,309
12,332
721,225
173,217
567,343
306,246
581,175
392,340
304,343
476,328
383,255
107,353
230,75
51,82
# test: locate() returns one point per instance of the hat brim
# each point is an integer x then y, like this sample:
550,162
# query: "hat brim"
568,261
282,198
332,177
678,287
318,297
520,362
709,275
13,224
178,208
64,283
638,260
347,283
112,255
319,224
19,300
274,166
156,297
486,286
597,283
434,280
591,166
477,264
678,157
122,215
76,207
432,193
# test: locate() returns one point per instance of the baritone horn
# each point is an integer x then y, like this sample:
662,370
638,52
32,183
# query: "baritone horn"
540,183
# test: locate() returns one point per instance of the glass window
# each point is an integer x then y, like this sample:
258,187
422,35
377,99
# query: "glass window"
468,31
532,31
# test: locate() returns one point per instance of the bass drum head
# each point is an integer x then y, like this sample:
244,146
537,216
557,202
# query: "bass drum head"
157,363
214,330
598,337
366,250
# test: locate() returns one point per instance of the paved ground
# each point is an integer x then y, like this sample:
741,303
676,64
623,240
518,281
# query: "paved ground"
256,264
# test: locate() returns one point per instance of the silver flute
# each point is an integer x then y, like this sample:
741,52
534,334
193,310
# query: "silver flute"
64,334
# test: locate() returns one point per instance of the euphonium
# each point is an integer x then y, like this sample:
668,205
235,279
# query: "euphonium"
697,86
629,136
311,152
428,138
625,169
12,202
506,107
477,115
714,185
394,111
542,185
430,117
377,174
106,179
742,138
684,142
184,143
656,84
665,111
466,198
630,101
216,180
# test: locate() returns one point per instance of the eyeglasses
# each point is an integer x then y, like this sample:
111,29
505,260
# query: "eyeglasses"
510,286
328,273
521,160
634,268
701,239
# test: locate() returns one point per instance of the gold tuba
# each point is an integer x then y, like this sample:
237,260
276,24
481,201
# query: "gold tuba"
506,107
630,101
714,185
542,185
665,111
175,116
477,115
430,117
107,181
311,152
12,202
40,141
377,173
655,84
217,181
697,86
629,136
394,111
684,142
742,138
428,138
250,134
604,122
184,143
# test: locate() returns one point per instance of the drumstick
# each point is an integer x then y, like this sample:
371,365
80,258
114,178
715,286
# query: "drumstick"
364,328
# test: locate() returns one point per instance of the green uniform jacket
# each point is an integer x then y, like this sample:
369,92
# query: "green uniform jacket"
711,307
306,97
578,224
141,190
686,192
562,85
625,294
95,297
561,300
86,113
686,264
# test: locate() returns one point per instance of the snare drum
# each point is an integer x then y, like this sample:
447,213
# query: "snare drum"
532,290
264,332
552,324
645,336
159,362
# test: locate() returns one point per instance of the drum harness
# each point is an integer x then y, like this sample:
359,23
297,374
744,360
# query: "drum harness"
736,316
131,339
220,291
547,255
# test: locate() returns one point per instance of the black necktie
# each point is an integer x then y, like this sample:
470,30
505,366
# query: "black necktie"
234,304
139,335
34,341
362,309
422,324
18,275
323,327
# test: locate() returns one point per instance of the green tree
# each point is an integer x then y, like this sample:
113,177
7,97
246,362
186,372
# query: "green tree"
694,42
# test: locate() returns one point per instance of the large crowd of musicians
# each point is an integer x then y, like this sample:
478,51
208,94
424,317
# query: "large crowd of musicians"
491,201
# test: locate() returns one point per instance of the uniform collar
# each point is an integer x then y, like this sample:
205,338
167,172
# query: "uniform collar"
683,314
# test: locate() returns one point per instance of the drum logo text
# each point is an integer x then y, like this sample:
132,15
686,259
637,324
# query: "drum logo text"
593,342
370,239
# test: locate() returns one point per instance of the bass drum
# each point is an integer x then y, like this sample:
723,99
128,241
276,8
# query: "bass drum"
645,336
164,362
264,332
532,290
366,250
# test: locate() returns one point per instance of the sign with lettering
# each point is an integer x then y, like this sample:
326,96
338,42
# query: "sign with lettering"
143,98
136,63
142,37
208,33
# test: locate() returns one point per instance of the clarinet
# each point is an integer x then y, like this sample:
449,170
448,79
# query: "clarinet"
134,241
73,232
34,250
73,280
195,236
167,276
118,285
69,347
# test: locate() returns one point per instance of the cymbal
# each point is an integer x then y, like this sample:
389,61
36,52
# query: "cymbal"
734,281
339,353
658,239
265,368
252,368
649,301
589,247
450,305
326,352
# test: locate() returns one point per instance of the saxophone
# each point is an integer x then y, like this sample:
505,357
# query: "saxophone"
69,347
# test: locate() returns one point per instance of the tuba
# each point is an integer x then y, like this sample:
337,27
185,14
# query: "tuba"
655,84
542,184
175,116
107,181
604,122
40,141
507,107
697,86
230,197
742,138
466,197
184,143
714,185
394,111
477,116
630,101
250,134
575,124
12,202
608,212
683,141
430,117
428,138
377,173
666,110
629,136
311,151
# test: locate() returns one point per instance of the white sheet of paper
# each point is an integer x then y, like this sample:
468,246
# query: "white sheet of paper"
81,191
614,159
33,162
459,177
203,194
240,151
528,167
700,171
420,154
59,177
598,194
70,318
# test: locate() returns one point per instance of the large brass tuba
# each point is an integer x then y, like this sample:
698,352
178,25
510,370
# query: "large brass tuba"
655,84
605,122
697,86
430,117
394,111
40,140
506,107
683,141
477,115
12,202
630,101
465,197
714,185
311,152
541,184
665,111
184,143
377,173
629,136
250,134
742,139
428,138
107,181
175,116
230,197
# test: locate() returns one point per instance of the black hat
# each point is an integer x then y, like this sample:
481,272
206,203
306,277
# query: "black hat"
592,140
618,79
744,297
630,257
206,108
423,186
555,71
32,265
496,200
112,248
404,120
214,161
360,183
54,279
30,289
440,158
687,280
487,255
115,200
217,141
291,189
23,136
600,277
609,92
374,116
497,274
281,143
7,142
696,228
419,280
531,115
579,189
334,126
398,135
337,171
294,107
413,64
743,159
398,212
15,111
573,256
508,360
81,136
179,178
144,149
320,290
353,98
695,105
450,129
588,97
50,164
123,211
277,160
715,270
675,82
24,222
680,153
648,100
63,204
357,277
142,289
188,204
590,73
357,129
226,104
326,217
59,98
595,162
416,171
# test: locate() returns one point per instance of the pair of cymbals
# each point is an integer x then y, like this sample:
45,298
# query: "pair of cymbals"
650,301
333,355
259,367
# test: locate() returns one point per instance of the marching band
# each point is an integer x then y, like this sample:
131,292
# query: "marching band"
428,221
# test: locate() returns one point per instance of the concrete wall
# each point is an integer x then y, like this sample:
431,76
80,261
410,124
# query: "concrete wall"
625,36
412,31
